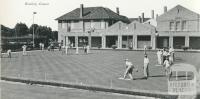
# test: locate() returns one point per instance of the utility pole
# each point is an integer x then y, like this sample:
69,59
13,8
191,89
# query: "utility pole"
33,30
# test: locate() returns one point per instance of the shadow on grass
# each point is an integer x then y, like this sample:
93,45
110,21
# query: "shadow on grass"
181,76
158,76
178,59
9,57
29,55
77,54
143,78
139,78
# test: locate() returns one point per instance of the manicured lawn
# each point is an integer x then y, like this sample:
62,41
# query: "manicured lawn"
100,68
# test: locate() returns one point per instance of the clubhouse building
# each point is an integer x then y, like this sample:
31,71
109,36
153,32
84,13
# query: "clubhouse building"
100,27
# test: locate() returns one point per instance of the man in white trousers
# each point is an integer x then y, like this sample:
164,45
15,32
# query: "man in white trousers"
146,67
159,56
171,52
129,69
66,49
24,49
42,46
9,53
77,50
88,49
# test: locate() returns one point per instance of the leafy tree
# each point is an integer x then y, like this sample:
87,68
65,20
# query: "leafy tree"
6,32
43,31
35,26
21,29
55,35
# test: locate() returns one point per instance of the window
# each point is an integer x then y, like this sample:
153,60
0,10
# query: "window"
61,25
76,25
124,38
178,25
134,25
87,24
64,25
171,26
144,38
68,27
96,24
92,24
120,26
183,25
103,24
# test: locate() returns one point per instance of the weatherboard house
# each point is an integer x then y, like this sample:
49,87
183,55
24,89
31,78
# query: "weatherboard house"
100,27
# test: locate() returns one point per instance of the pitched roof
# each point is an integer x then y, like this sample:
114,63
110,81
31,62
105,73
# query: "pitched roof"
93,13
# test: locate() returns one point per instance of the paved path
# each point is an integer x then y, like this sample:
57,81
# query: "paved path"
23,91
100,68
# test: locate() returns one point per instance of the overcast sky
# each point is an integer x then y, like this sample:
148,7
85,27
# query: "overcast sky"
13,11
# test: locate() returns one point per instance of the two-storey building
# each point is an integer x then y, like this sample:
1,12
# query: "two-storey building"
101,27
178,27
83,25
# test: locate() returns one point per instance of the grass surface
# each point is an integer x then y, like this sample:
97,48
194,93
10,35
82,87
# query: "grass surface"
100,68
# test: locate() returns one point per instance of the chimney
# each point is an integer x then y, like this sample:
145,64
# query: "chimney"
139,19
81,10
117,10
142,17
152,14
165,9
156,16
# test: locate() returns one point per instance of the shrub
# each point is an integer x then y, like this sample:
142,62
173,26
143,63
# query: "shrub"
99,46
114,46
149,47
185,48
130,47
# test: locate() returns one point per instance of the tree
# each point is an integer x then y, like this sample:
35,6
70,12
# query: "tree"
31,28
6,32
43,31
21,29
55,35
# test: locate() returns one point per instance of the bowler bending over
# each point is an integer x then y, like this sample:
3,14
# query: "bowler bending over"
129,69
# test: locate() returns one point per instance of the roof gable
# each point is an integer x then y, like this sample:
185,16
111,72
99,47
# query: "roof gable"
151,22
179,12
117,27
135,25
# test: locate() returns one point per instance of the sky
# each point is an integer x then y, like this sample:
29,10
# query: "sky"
15,11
